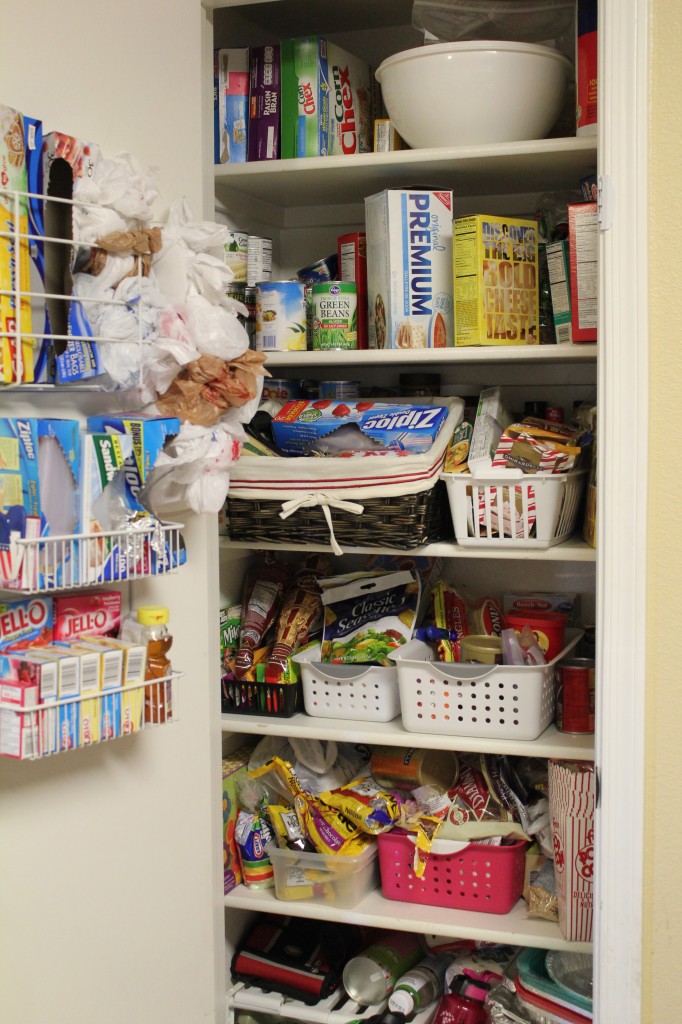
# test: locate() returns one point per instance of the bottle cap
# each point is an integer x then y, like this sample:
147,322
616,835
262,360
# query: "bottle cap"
152,615
400,1002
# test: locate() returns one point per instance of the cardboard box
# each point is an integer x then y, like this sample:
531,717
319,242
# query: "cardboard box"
148,435
231,102
571,811
386,138
14,255
19,730
133,673
536,602
43,353
496,281
265,99
234,770
583,246
42,671
409,268
25,623
558,267
103,458
94,613
352,253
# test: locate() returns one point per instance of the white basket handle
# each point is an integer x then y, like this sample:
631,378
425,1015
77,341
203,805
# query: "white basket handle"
324,501
466,671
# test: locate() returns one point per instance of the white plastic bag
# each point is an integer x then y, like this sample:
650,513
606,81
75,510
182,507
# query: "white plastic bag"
319,765
123,194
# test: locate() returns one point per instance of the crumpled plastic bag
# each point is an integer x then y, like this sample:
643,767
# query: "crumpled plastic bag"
319,765
193,470
184,239
206,387
216,330
121,192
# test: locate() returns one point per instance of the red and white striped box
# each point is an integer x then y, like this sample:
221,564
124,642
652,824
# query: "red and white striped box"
571,809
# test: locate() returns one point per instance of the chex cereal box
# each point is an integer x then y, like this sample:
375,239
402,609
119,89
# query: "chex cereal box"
496,281
14,251
409,268
325,427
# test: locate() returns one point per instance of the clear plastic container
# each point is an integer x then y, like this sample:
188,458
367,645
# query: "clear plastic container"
330,879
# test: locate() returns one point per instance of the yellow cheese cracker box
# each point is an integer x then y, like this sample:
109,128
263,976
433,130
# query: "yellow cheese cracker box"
496,281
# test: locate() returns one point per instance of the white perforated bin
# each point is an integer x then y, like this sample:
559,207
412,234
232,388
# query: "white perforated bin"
487,701
369,692
507,508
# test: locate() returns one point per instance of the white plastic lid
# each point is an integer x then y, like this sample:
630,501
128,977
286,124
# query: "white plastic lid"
400,1001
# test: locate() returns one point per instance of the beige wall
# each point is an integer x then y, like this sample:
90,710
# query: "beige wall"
663,888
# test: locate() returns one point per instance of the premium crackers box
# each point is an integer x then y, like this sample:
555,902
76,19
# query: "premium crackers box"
265,98
409,268
496,281
230,105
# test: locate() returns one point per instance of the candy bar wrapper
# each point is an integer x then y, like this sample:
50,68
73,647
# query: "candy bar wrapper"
571,808
369,807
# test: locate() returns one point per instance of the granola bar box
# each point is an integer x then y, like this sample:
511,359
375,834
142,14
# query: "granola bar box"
495,281
409,268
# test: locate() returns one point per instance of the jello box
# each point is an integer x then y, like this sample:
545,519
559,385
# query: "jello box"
25,623
234,770
325,427
94,613
19,728
409,268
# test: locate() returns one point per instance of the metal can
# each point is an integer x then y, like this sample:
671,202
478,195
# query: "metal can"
335,315
236,255
258,260
339,389
310,388
280,316
281,390
323,270
408,768
575,696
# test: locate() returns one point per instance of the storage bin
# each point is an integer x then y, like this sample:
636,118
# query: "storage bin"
276,700
507,508
367,692
458,876
487,701
329,879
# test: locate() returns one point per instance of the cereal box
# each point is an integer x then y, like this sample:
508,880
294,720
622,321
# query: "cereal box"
571,810
14,253
234,769
496,281
231,105
265,97
409,268
583,249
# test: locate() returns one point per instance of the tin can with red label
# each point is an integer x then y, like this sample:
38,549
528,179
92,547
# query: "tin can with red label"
575,696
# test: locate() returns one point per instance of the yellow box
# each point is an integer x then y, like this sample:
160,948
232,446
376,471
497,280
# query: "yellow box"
496,281
15,261
134,661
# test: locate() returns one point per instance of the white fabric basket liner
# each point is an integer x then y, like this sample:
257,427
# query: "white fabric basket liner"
261,477
369,692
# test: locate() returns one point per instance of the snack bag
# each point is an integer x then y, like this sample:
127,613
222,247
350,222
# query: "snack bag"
368,617
252,834
371,808
449,612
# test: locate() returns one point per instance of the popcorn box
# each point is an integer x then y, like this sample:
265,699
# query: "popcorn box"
234,769
571,811
496,281
583,250
14,253
409,268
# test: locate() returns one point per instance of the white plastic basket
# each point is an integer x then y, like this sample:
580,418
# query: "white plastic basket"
367,692
486,701
508,508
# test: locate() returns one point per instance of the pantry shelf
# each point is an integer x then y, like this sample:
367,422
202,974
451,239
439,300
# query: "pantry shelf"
541,165
551,743
515,928
533,355
573,550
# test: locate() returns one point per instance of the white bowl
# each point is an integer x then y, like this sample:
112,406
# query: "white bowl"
466,93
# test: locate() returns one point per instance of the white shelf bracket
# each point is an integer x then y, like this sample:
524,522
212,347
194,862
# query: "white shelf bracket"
605,201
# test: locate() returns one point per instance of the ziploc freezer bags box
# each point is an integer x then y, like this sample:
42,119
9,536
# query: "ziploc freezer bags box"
409,268
329,428
14,255
496,281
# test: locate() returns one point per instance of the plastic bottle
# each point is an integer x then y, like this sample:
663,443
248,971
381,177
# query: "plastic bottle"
371,976
458,1006
153,622
423,985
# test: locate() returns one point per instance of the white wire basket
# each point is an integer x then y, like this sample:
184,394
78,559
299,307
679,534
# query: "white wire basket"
42,730
337,1008
367,692
467,699
43,565
506,508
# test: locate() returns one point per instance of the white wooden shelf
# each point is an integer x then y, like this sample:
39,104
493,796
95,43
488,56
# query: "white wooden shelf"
540,165
433,358
515,928
552,743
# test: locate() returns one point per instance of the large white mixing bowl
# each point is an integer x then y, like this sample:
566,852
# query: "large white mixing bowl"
460,94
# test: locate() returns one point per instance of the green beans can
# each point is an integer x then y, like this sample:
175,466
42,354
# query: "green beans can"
335,315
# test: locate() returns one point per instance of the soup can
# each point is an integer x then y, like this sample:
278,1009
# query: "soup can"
258,260
408,768
280,316
281,390
339,389
334,315
575,696
236,255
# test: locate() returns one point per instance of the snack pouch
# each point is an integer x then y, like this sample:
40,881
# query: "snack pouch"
368,617
449,612
372,809
252,833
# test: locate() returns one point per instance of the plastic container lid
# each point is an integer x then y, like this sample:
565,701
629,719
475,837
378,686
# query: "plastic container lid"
482,648
152,615
401,1004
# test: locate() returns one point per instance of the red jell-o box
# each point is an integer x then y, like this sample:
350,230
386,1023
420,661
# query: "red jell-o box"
97,613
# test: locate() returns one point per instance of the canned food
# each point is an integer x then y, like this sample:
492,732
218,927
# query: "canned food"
487,650
250,322
575,695
280,316
338,389
323,270
335,316
310,388
236,255
281,390
396,768
258,260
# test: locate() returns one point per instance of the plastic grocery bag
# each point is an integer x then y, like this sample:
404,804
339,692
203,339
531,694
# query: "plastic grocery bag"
319,765
121,192
176,265
548,22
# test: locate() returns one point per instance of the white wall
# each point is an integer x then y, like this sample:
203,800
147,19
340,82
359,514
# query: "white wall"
110,863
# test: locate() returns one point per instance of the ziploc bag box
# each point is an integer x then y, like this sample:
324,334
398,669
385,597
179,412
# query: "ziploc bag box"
409,268
496,281
14,256
148,436
102,489
329,428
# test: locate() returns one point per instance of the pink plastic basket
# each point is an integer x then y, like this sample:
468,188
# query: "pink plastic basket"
475,877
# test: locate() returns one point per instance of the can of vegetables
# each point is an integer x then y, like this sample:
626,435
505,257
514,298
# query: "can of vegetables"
334,315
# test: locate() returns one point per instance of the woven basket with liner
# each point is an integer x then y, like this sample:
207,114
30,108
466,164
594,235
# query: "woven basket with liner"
383,501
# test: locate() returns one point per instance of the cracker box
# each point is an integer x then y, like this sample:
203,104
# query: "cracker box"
352,254
496,281
409,268
231,105
265,98
558,268
14,258
234,769
583,249
571,811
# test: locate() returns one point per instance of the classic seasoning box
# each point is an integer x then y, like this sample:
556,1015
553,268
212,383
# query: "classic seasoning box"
496,281
409,268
